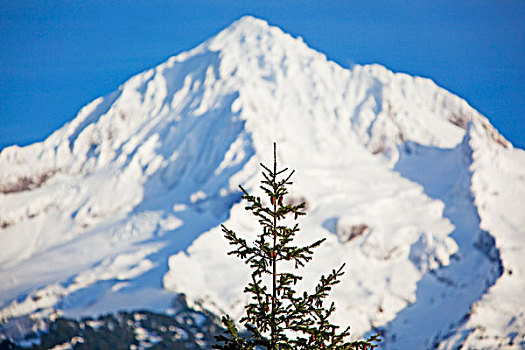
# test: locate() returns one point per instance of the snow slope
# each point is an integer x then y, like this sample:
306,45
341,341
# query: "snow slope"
413,189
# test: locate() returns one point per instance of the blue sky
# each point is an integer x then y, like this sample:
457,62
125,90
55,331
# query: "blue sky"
56,56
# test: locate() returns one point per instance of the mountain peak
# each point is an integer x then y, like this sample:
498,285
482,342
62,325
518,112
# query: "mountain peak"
249,34
248,26
249,21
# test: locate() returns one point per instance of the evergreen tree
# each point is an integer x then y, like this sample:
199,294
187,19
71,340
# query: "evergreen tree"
277,317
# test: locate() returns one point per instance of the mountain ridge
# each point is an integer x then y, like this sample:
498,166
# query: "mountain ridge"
153,169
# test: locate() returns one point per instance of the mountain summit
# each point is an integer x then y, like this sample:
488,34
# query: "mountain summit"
416,191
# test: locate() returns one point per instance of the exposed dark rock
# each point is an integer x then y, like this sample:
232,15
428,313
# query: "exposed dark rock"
26,183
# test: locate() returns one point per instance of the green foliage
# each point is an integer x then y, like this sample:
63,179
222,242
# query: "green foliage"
277,316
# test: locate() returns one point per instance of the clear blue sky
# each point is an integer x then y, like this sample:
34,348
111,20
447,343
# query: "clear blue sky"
56,56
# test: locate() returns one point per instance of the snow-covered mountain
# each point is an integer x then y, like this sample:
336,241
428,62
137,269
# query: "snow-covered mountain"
415,190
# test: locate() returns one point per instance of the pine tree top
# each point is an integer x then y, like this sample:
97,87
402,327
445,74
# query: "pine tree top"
277,316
